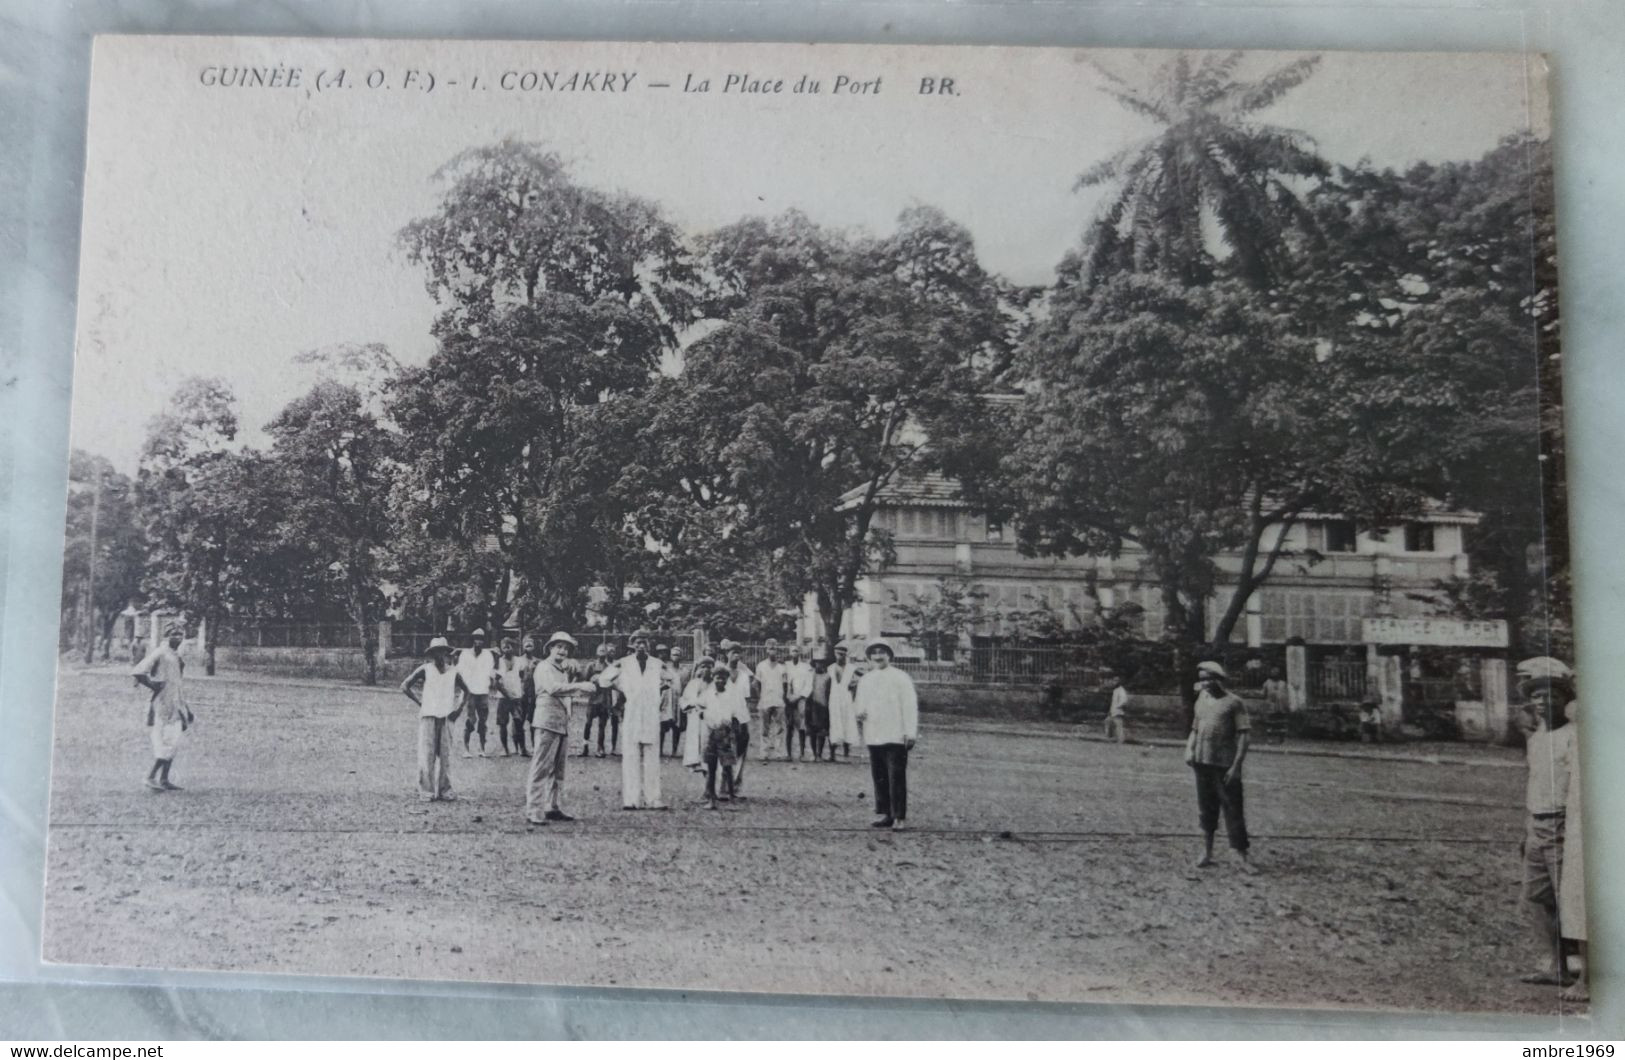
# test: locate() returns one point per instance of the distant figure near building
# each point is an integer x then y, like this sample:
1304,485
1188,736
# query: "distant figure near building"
435,687
168,717
1215,750
890,712
1370,722
1117,711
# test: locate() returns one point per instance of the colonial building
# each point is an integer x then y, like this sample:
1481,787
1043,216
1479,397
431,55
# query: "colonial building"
1359,573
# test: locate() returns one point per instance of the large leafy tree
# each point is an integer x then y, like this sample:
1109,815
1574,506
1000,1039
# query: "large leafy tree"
106,552
206,510
1449,272
558,303
831,357
337,463
1192,422
1212,169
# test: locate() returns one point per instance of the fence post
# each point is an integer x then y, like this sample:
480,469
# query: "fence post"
386,630
1385,683
1297,676
1497,718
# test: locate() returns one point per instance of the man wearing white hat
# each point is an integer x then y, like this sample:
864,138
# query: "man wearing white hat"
1215,749
890,712
435,687
643,679
550,729
477,666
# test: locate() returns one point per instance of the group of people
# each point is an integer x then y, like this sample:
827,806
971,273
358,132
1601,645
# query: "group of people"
639,698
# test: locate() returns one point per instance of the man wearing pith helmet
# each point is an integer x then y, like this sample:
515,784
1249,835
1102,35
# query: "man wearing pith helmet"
550,729
890,713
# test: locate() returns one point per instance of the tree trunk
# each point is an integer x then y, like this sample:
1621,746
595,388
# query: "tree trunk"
369,644
209,634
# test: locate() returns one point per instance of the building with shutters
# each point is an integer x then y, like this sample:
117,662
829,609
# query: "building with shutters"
1358,573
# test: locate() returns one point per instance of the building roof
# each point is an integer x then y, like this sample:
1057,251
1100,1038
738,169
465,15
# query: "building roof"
932,489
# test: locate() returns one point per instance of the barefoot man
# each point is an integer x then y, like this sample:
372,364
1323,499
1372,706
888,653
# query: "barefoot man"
1220,731
643,679
168,717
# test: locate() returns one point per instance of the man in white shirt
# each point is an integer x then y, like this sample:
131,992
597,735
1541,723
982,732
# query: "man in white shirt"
477,666
508,684
436,688
890,712
773,686
799,682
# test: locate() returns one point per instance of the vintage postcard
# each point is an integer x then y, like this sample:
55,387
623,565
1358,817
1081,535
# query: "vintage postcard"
1010,523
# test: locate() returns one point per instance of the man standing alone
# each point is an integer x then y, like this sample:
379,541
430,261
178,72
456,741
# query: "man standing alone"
168,716
1215,749
890,712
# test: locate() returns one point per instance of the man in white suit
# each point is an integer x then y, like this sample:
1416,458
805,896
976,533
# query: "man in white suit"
643,679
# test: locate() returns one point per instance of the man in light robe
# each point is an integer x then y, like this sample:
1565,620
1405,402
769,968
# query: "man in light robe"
642,679
168,717
843,719
689,702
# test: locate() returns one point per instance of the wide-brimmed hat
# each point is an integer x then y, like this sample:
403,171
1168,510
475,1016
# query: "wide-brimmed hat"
728,645
174,630
438,644
880,644
477,633
841,645
1211,669
704,660
638,634
561,637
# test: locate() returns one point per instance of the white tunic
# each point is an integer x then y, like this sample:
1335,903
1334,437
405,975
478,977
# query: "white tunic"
888,706
477,670
642,688
843,719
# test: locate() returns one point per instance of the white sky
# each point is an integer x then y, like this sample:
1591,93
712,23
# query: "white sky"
226,230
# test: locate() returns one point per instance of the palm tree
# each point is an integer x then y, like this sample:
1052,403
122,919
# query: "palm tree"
1210,170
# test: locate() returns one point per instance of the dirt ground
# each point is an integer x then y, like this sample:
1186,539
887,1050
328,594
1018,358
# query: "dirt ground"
1039,867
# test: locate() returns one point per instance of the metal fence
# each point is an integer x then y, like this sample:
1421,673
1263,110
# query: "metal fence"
1335,680
414,643
1035,665
291,635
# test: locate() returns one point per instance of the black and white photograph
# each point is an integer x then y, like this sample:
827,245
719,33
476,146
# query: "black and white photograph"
1025,524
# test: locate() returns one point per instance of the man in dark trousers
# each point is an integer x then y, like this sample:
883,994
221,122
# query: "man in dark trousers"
1215,749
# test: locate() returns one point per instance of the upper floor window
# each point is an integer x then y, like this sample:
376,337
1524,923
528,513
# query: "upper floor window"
1340,536
1419,537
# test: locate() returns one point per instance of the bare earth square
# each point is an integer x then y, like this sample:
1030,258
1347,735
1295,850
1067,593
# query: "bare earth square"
1041,866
